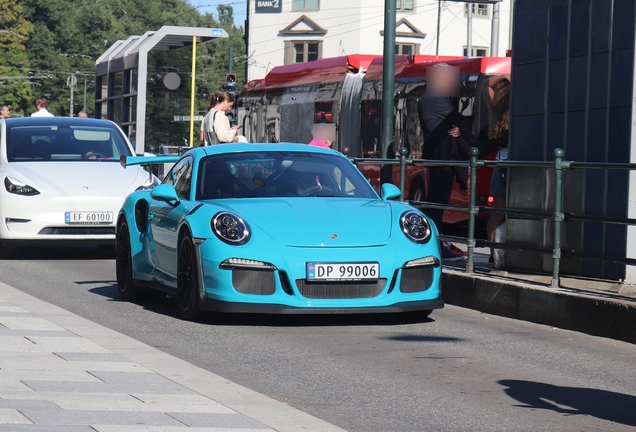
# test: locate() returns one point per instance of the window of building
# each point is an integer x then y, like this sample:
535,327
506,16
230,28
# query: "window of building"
305,4
407,49
479,10
404,5
477,51
302,51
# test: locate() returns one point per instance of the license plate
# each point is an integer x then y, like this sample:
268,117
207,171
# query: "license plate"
342,271
88,218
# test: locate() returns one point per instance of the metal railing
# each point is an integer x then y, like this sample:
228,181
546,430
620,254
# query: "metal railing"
558,216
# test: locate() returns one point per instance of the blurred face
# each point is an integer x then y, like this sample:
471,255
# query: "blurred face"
442,81
4,113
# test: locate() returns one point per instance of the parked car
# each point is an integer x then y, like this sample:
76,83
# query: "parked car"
275,228
62,180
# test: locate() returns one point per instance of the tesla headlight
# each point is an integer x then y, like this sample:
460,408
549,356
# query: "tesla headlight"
415,226
150,183
15,186
231,228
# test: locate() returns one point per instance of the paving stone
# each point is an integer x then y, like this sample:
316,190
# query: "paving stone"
27,323
39,375
12,416
117,428
217,420
132,404
7,307
19,344
49,428
100,417
115,382
92,357
69,344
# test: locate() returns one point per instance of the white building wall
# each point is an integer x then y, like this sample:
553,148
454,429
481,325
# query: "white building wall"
354,27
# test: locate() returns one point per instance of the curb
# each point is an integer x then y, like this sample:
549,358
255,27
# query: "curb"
596,314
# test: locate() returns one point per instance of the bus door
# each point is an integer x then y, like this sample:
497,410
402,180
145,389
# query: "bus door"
297,113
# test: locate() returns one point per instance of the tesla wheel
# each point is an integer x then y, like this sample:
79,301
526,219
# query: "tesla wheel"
128,288
188,280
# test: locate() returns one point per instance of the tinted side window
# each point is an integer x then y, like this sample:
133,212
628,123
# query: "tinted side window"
181,177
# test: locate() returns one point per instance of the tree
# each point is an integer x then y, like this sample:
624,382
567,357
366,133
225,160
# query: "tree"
15,87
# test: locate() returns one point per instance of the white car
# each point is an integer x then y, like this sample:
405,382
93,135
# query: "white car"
62,180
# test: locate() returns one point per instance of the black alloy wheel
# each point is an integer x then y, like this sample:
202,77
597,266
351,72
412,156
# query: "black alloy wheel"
128,288
188,280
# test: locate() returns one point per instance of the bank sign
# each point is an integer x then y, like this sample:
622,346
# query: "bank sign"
268,6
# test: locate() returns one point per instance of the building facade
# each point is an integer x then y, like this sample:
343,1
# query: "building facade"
293,31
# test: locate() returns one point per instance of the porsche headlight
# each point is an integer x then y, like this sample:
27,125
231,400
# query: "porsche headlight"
231,228
415,226
150,183
15,186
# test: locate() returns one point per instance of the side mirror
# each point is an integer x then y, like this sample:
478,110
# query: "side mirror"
390,192
165,192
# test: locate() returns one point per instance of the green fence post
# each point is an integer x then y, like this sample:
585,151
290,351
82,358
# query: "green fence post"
403,153
472,210
558,216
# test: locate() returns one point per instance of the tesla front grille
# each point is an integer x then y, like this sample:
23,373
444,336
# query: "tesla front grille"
340,290
79,231
250,281
416,279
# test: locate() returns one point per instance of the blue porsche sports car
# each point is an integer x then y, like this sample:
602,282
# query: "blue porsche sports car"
275,228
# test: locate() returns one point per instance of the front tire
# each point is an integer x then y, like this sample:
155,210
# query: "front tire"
188,280
128,288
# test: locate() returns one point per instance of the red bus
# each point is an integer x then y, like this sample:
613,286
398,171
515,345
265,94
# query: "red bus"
346,92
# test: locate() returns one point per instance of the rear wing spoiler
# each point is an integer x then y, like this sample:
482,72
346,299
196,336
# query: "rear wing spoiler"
126,161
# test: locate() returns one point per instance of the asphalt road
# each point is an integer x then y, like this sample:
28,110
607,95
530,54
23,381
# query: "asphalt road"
458,371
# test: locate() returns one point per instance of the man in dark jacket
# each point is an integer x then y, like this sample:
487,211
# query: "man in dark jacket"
442,125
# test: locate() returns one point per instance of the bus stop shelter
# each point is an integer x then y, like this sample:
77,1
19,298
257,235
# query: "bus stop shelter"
132,71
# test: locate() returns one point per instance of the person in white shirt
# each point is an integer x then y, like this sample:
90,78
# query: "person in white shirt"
216,126
40,104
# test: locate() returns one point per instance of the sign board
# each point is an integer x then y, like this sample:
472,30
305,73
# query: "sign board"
268,6
187,118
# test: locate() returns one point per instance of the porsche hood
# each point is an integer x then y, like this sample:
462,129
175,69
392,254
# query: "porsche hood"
318,222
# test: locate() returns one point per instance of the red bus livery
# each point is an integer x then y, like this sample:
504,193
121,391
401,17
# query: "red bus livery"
346,93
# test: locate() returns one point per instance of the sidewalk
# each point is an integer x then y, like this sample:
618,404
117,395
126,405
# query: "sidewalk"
596,307
62,373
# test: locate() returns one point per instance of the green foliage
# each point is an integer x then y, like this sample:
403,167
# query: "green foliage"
15,87
67,36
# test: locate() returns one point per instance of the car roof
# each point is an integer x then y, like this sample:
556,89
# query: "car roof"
252,147
57,121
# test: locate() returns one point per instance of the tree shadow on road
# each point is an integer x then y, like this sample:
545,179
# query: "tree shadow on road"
602,404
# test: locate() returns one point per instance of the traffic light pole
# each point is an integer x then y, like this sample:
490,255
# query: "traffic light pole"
388,76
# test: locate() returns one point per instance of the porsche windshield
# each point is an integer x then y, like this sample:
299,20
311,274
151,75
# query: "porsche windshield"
65,143
280,174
